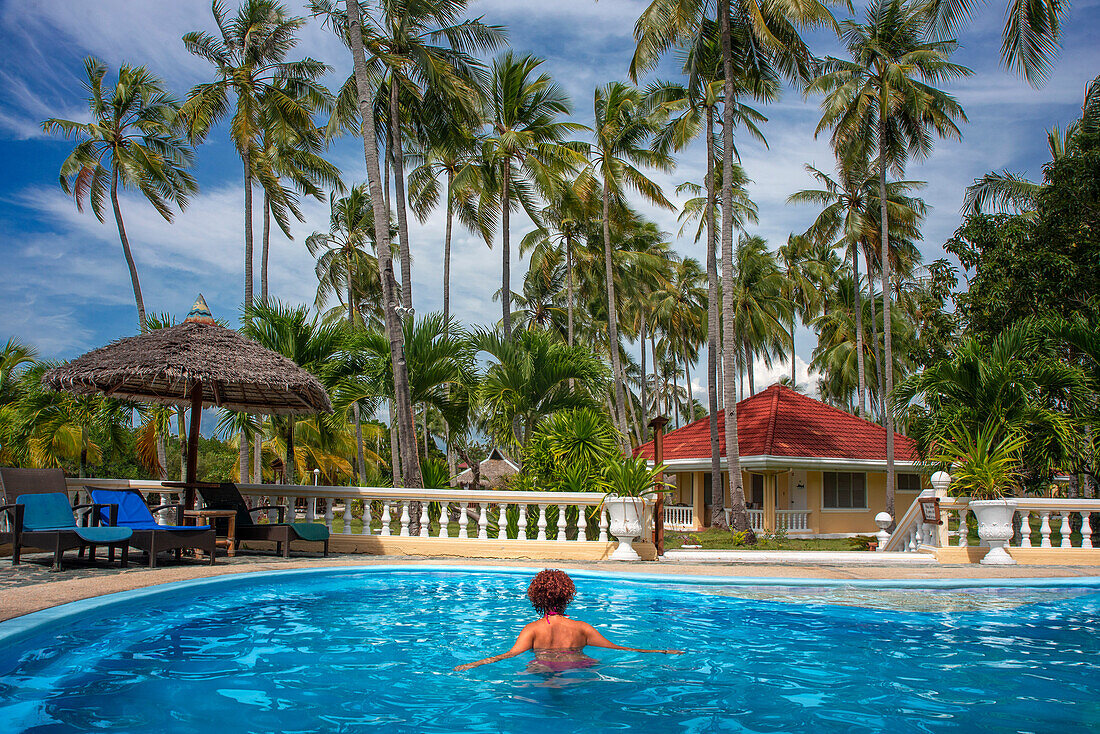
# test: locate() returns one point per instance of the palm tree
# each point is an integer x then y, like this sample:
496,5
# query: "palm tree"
313,346
130,141
799,286
885,95
525,148
253,80
624,124
349,28
680,313
533,376
760,310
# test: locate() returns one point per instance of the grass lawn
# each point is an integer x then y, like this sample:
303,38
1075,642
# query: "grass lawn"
721,539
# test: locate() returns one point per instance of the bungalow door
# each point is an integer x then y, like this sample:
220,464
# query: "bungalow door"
797,490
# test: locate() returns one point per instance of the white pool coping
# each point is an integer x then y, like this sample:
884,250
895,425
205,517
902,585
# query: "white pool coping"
839,558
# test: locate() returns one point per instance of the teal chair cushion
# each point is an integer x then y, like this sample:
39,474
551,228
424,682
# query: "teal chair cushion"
310,530
50,511
102,536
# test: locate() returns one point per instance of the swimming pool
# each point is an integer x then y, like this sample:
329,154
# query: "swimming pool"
373,648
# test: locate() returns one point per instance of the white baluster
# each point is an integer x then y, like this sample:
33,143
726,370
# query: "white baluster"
542,522
404,519
603,525
1044,528
522,523
964,528
463,520
424,519
1025,528
385,530
561,524
365,530
483,522
582,522
1066,531
311,509
1086,529
328,513
444,512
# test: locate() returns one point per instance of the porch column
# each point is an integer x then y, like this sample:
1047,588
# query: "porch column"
769,502
697,499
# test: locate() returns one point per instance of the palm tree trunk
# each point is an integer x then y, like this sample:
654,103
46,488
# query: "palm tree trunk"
677,410
733,458
162,458
244,458
395,455
506,265
645,411
258,457
399,191
794,377
447,258
749,359
613,320
408,449
717,496
569,288
859,333
874,329
360,457
886,331
181,429
247,229
291,467
126,251
265,248
691,396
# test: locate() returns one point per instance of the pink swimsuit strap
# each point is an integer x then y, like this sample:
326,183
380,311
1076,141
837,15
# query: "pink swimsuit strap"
552,614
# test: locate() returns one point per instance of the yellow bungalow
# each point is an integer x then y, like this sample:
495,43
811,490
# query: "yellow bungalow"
807,468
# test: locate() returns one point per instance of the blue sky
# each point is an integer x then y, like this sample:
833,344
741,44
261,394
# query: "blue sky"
64,285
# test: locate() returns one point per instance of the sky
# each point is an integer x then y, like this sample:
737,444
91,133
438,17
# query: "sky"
64,286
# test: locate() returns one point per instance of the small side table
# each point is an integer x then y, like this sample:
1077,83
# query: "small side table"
192,517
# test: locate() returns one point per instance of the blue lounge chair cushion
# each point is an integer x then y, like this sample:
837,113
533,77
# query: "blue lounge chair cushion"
50,511
133,513
310,530
53,512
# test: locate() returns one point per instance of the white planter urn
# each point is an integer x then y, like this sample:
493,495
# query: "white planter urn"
626,524
995,528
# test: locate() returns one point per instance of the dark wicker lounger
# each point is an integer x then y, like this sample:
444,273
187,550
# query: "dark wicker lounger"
129,510
226,496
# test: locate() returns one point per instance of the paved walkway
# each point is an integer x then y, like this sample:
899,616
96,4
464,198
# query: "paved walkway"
31,586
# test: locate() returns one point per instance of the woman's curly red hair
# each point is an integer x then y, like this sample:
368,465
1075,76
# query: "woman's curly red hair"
551,591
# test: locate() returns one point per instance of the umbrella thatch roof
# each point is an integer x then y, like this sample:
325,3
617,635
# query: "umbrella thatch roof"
495,469
161,365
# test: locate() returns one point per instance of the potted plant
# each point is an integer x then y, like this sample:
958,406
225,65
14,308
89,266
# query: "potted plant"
984,467
629,483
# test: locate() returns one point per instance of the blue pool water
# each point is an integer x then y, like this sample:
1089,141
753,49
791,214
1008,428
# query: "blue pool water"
365,649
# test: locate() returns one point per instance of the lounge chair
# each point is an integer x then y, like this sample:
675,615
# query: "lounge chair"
15,482
227,497
127,508
46,522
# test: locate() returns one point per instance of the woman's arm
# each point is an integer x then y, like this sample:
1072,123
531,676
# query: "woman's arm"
524,642
595,639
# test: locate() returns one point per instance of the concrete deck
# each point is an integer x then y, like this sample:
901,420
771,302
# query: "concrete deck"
31,586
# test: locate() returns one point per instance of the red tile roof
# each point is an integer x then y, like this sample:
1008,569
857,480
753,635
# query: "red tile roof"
782,422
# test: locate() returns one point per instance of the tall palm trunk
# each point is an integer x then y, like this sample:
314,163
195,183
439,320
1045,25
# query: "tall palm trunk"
291,467
126,250
360,459
447,255
886,331
717,496
691,397
258,457
874,330
265,248
408,449
247,229
677,409
569,289
162,458
613,320
506,256
641,397
244,455
399,192
181,429
749,357
859,331
395,455
733,458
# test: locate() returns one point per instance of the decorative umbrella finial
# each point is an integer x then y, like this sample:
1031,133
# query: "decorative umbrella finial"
200,313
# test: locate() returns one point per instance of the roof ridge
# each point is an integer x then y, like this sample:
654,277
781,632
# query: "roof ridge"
835,409
770,436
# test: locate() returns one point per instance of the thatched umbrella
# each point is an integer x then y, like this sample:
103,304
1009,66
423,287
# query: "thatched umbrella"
493,471
195,364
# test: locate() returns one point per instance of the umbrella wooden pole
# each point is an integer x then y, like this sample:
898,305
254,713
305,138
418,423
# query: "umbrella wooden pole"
193,443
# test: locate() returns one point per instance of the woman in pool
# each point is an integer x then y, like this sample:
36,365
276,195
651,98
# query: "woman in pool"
557,640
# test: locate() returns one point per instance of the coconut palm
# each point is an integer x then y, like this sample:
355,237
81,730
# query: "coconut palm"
130,142
531,376
526,148
760,308
799,285
254,80
885,95
349,27
625,123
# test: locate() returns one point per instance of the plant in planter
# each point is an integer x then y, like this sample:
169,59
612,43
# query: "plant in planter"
629,483
985,467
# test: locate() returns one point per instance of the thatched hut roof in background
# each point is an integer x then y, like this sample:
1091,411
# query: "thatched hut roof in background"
494,470
161,365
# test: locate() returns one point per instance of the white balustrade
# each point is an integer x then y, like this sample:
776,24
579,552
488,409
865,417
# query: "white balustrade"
483,522
521,533
1086,529
679,518
542,523
793,521
405,519
561,524
1044,528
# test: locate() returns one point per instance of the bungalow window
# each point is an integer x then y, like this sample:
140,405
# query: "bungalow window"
844,490
909,483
